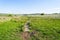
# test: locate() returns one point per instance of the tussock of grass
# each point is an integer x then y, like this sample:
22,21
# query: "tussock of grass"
48,27
10,30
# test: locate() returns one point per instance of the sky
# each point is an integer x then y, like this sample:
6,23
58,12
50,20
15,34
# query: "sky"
29,6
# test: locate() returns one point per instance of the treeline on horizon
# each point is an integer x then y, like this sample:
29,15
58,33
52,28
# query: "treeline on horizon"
9,14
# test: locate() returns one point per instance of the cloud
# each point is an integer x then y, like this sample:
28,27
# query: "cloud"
50,10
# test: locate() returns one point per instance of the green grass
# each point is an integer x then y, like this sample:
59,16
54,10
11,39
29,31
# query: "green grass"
49,28
11,30
46,29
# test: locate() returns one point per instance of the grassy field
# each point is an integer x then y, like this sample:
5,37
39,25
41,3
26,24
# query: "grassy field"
47,29
10,30
44,28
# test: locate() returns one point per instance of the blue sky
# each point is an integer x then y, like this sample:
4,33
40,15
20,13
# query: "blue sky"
29,6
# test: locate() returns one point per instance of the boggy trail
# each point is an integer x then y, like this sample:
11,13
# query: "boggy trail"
26,33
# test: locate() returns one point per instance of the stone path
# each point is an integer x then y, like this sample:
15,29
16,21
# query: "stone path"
26,26
25,33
